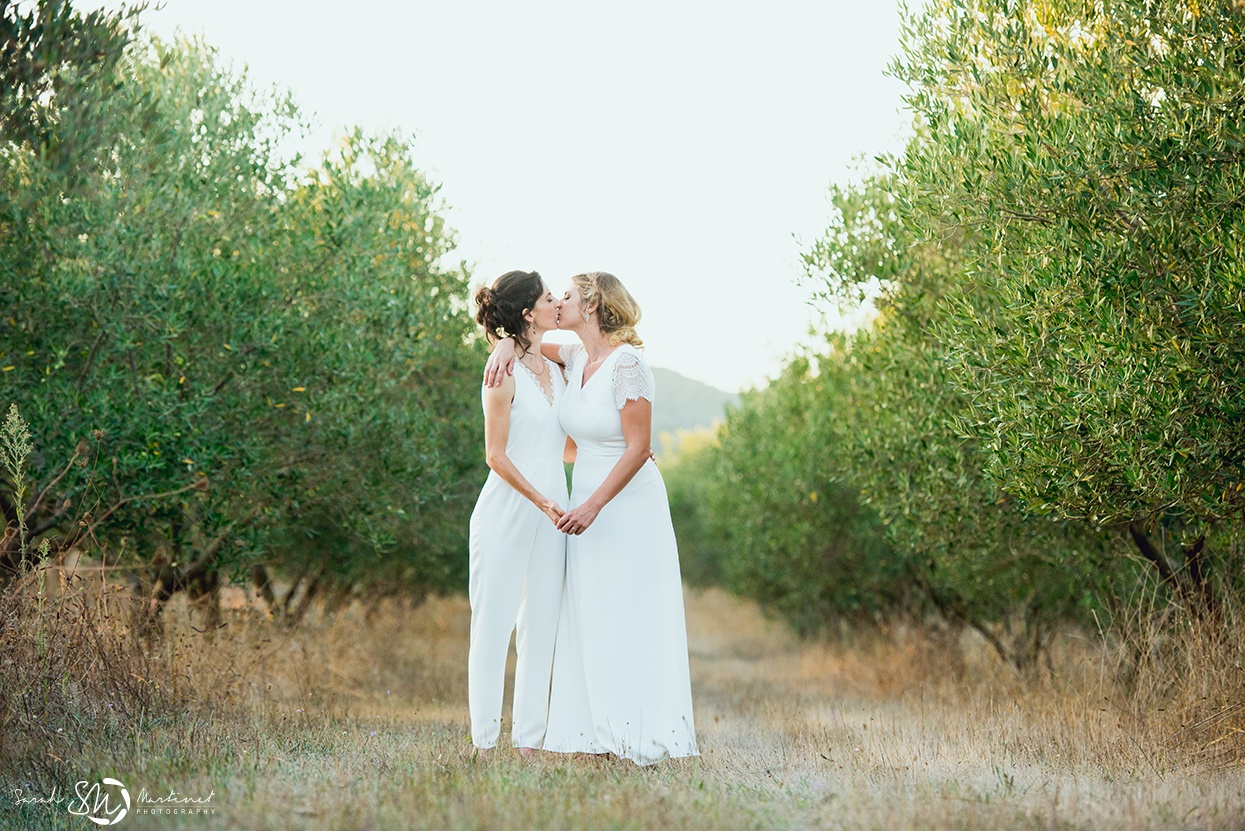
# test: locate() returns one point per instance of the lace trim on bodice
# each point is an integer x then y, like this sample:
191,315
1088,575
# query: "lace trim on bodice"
633,379
550,367
567,352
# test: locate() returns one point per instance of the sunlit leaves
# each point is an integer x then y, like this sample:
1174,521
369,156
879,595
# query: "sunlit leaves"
1099,337
287,333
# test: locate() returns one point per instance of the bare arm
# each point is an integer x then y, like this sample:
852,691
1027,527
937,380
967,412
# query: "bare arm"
501,362
496,433
637,427
552,351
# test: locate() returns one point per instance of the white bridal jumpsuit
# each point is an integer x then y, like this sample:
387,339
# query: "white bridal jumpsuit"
517,569
620,678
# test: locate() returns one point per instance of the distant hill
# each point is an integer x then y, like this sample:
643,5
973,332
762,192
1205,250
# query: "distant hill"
686,404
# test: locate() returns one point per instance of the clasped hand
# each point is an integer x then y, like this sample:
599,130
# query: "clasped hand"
577,520
574,521
551,510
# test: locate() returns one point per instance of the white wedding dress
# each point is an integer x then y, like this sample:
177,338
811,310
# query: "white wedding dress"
620,674
517,565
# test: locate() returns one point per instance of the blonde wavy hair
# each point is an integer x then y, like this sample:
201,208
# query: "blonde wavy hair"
617,311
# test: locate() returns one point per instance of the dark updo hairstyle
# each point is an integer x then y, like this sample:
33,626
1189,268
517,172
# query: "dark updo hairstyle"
502,307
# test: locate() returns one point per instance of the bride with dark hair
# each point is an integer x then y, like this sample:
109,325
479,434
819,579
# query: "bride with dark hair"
517,553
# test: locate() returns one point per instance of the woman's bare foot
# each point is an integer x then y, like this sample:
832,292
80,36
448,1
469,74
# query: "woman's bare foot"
528,752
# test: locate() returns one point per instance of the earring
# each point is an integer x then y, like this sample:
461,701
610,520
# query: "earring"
587,317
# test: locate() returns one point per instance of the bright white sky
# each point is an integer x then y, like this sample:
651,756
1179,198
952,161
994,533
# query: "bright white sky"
684,146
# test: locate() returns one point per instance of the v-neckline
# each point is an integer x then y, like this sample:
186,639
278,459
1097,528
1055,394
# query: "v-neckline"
550,397
582,382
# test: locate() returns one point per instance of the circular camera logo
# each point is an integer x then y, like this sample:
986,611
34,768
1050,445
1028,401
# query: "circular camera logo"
95,803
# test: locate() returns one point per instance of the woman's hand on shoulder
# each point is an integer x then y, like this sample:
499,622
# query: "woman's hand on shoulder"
502,392
500,363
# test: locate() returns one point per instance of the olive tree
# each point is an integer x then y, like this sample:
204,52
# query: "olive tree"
796,537
47,50
976,554
1089,156
261,361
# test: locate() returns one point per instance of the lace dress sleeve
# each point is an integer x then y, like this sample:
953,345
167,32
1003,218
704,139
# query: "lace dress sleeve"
633,379
567,352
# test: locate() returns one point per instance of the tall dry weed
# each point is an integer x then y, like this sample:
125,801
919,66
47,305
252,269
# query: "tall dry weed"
1185,670
71,678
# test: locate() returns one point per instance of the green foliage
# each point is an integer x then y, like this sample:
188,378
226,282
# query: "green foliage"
15,450
1094,151
845,488
1055,257
976,554
802,542
766,509
1061,334
47,49
277,361
690,473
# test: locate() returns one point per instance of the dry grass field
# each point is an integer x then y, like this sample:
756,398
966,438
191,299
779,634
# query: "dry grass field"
359,721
